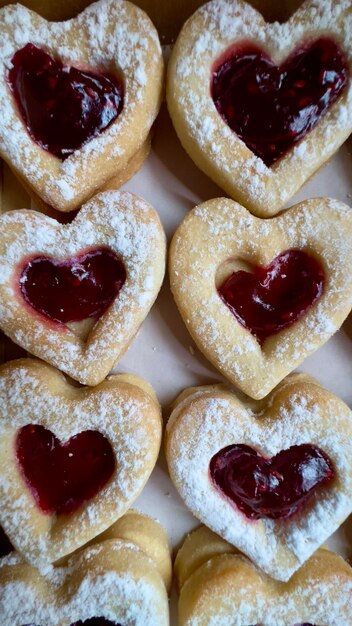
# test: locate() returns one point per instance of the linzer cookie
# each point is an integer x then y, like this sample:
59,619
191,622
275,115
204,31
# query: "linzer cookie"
219,585
73,459
111,583
259,296
273,478
76,294
260,107
77,98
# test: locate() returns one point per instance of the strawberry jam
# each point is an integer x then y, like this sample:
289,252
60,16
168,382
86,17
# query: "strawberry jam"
270,488
5,543
96,621
271,108
62,476
272,298
62,107
75,289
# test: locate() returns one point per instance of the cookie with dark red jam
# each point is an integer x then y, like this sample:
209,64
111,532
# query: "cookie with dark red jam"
76,457
258,296
214,579
270,477
260,107
77,99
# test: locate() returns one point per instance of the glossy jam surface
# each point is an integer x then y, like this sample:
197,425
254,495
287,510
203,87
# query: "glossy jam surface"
96,621
63,107
5,544
269,488
274,297
62,476
75,289
271,108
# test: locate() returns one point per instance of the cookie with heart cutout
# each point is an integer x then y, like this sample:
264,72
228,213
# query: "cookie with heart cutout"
75,294
273,478
77,98
259,296
73,459
261,107
113,582
222,586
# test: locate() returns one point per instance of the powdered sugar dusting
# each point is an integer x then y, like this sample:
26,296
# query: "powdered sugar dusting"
204,424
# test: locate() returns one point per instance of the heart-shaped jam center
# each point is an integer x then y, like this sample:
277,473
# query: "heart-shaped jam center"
5,543
75,289
274,297
269,488
62,476
63,107
271,108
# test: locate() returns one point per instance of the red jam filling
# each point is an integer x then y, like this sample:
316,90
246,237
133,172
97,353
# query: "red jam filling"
271,108
62,476
272,298
269,488
75,289
63,107
96,621
5,543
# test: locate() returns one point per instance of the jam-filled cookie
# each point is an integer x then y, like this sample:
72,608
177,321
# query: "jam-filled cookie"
77,98
114,582
221,586
260,107
72,459
76,294
273,478
259,296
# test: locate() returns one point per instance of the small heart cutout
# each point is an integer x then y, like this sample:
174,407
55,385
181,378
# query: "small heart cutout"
75,289
274,297
61,477
273,488
271,108
62,107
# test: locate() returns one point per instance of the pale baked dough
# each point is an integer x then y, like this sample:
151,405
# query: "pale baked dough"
299,411
225,588
119,579
87,350
215,239
114,35
124,408
210,142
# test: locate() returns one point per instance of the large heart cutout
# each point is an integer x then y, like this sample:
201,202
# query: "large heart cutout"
110,583
105,268
77,98
259,296
214,579
297,415
73,459
261,107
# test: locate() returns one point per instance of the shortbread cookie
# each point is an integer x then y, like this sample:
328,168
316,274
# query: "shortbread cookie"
273,478
227,589
259,296
77,98
108,584
73,459
260,107
76,294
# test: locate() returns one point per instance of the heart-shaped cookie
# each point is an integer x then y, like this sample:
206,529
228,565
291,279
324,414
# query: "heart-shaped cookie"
298,415
111,583
76,294
260,107
73,459
259,296
221,586
77,98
